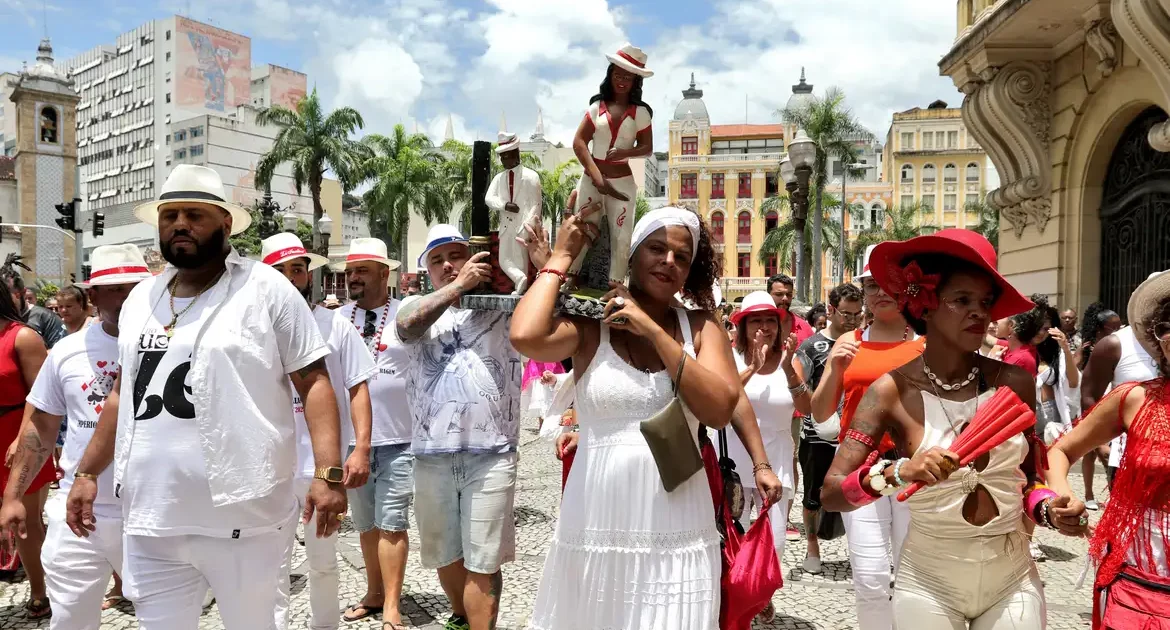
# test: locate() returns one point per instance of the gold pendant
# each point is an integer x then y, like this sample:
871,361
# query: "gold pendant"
170,332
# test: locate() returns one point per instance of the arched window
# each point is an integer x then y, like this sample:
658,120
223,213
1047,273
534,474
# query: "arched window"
877,214
717,226
744,224
928,174
49,127
771,221
950,174
907,173
972,172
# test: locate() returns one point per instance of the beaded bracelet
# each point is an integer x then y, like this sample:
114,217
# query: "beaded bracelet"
898,481
1044,520
554,272
861,437
797,390
761,466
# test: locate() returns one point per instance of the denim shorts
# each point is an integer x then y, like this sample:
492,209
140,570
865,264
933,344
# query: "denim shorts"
384,502
466,510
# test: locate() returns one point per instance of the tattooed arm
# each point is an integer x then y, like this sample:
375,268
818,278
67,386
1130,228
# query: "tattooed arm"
34,445
870,420
415,318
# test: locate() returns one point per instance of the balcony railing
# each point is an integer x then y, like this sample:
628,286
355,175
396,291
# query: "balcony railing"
730,157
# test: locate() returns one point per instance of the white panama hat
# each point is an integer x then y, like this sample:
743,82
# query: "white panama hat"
439,235
1142,303
116,264
632,59
370,250
189,182
507,141
287,246
865,272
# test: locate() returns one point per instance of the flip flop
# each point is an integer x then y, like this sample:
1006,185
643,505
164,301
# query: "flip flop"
390,625
367,611
38,608
112,601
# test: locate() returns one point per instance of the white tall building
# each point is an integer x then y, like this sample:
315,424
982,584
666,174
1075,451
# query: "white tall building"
7,114
170,70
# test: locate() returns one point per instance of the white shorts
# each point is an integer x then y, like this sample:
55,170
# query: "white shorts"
167,577
78,570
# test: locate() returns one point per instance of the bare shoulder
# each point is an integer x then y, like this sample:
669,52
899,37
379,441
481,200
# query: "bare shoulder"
703,322
1000,374
27,339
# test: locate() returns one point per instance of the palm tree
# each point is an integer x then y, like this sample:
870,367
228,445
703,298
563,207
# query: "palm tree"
313,142
781,240
641,207
556,186
407,176
988,224
900,223
456,175
836,132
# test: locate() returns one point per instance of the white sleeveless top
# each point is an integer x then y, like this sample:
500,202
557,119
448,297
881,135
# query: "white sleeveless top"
635,120
772,402
938,510
1135,366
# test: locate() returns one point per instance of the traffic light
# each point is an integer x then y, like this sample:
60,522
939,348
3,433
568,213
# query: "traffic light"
68,217
99,223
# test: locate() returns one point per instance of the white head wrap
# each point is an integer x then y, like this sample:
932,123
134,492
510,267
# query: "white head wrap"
663,217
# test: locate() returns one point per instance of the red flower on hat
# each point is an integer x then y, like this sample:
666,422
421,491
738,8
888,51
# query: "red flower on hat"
914,289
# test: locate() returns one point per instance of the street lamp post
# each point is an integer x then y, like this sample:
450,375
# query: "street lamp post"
290,222
844,206
268,210
796,169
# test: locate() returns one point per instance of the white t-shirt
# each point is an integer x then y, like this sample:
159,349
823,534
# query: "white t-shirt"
165,488
388,387
464,385
74,381
348,364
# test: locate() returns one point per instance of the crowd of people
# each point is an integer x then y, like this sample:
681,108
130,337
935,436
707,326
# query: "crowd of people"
192,418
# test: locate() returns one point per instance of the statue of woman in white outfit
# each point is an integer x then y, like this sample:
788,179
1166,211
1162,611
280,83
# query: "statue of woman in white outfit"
617,127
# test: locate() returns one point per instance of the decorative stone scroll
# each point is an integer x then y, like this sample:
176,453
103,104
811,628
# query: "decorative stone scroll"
1145,26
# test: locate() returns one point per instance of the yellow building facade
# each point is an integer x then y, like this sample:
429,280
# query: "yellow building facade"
933,162
1069,98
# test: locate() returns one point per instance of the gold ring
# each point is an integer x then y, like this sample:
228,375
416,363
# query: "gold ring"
341,517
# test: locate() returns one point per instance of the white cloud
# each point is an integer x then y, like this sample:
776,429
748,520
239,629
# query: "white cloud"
377,77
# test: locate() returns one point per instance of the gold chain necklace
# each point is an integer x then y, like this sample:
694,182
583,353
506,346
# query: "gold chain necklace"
169,329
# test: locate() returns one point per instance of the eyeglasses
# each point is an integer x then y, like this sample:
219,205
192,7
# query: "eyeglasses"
870,288
370,329
850,316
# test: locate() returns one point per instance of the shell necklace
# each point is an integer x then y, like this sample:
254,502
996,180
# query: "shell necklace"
935,380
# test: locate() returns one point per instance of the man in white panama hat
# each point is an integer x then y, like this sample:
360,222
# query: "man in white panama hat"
350,368
381,508
514,194
205,454
73,383
464,387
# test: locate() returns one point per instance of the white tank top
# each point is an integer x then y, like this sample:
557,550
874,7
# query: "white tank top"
1135,364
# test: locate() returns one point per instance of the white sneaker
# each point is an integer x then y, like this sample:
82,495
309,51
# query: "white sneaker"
1092,504
812,565
1036,552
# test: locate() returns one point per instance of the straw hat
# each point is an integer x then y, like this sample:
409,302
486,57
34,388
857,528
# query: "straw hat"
1142,305
116,264
865,272
632,59
507,141
756,302
370,250
287,246
196,184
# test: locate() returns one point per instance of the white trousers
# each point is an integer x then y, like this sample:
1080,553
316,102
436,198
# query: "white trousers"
778,515
513,256
78,570
875,534
167,577
324,576
620,216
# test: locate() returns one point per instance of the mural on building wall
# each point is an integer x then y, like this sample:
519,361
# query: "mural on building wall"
244,192
288,87
213,67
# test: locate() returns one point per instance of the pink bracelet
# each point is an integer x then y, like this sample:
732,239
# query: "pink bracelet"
854,493
1036,497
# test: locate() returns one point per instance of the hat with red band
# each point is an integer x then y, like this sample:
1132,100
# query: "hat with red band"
632,59
286,246
888,264
116,264
754,303
369,250
865,272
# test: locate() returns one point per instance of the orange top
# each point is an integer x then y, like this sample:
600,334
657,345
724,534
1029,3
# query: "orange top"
873,359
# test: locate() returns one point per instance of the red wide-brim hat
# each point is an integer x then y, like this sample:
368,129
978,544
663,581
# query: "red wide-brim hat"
966,245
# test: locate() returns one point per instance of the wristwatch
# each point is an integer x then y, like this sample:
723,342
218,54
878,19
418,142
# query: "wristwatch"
331,474
877,479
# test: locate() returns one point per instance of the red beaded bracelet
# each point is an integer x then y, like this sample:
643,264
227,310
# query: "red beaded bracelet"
861,437
559,274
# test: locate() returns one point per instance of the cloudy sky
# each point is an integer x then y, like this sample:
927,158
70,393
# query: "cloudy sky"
419,61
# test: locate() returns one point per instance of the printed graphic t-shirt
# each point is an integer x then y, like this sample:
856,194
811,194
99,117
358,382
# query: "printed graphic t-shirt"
165,488
464,385
74,381
348,364
392,417
813,354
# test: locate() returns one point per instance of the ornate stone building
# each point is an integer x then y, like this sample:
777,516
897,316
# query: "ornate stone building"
1069,99
46,162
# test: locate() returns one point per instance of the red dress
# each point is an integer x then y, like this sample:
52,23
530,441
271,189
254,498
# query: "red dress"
13,391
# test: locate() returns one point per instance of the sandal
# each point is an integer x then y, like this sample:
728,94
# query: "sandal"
38,608
768,615
390,625
351,614
112,601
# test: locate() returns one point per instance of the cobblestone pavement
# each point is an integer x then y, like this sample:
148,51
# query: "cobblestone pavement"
807,602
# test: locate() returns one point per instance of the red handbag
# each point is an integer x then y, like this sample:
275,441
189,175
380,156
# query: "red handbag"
1135,600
